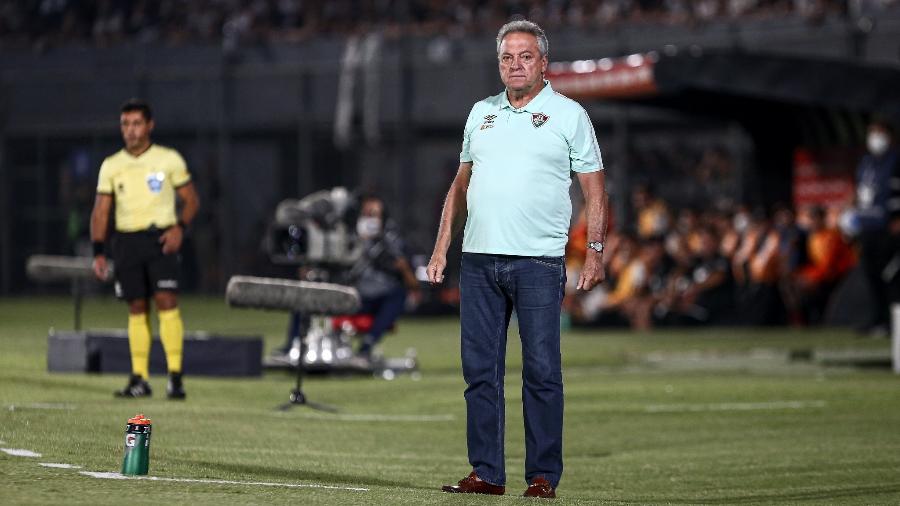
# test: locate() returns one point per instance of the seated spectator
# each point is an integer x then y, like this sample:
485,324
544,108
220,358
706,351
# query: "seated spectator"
829,258
756,267
704,295
651,211
655,268
576,249
601,305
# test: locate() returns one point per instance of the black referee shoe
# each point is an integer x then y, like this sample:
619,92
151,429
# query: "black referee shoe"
136,387
175,389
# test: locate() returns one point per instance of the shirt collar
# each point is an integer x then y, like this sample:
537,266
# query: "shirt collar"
535,104
138,157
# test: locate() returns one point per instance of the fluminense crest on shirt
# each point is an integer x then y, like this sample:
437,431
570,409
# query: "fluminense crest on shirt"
538,119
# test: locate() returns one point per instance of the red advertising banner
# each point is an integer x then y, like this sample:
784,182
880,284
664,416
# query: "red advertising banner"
631,76
823,176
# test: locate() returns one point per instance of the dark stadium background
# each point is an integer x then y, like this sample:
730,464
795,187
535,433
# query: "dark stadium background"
247,91
728,108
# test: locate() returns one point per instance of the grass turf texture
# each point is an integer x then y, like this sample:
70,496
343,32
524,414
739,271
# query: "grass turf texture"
679,428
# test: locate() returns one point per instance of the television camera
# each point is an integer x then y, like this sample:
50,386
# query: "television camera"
315,231
317,234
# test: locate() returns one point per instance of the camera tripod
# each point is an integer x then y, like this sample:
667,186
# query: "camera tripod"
297,397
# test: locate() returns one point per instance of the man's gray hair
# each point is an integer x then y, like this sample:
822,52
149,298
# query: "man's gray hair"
524,26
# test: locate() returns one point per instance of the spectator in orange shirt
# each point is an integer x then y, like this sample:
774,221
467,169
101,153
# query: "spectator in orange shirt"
829,258
756,268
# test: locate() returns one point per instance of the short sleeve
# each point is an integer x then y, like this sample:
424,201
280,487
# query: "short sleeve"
393,244
584,152
180,175
104,180
464,155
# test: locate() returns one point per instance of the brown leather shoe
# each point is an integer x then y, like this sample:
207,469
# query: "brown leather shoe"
540,488
472,484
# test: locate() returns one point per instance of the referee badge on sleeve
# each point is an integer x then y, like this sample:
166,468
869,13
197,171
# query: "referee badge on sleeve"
538,119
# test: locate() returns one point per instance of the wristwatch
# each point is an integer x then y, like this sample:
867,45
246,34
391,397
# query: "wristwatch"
596,246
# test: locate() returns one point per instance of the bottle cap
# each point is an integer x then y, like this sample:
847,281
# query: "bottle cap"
139,419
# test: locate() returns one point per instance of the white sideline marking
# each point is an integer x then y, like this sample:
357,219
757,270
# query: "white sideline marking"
60,466
733,406
17,452
117,476
41,405
380,418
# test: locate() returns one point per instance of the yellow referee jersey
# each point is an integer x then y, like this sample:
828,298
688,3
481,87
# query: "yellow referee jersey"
143,186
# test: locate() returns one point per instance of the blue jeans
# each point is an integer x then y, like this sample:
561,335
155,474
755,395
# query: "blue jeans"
491,287
385,309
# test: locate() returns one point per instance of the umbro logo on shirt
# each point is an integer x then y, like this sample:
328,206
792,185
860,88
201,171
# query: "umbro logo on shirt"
538,119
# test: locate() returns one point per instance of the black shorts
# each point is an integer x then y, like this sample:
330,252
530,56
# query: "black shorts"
141,267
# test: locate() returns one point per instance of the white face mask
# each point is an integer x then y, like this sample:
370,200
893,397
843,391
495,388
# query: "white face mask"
740,222
368,226
877,143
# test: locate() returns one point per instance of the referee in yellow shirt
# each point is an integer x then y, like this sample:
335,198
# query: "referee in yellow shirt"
143,180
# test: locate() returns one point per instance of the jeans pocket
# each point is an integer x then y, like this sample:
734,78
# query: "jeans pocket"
555,263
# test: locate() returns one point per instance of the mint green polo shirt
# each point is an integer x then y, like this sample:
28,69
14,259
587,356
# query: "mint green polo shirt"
518,197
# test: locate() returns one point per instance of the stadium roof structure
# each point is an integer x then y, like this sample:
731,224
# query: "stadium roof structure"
733,83
781,102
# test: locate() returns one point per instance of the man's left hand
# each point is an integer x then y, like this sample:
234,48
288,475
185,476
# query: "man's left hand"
592,274
171,240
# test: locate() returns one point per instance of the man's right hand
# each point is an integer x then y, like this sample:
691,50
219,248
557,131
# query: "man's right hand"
436,267
101,267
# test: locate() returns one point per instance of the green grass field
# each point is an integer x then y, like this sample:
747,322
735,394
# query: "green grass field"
676,417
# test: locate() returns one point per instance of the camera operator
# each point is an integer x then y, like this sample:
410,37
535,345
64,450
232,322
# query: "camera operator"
383,276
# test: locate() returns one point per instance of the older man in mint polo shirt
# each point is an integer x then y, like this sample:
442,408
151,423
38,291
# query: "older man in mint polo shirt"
512,192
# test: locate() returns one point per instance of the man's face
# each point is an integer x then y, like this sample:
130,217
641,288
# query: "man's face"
521,64
135,129
372,208
879,139
370,222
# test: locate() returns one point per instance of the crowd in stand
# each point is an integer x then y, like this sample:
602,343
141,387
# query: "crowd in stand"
49,23
698,267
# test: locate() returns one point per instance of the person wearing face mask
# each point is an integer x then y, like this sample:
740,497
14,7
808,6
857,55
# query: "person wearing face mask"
383,276
876,218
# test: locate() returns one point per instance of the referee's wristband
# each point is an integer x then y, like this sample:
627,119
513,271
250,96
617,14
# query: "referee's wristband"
99,248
